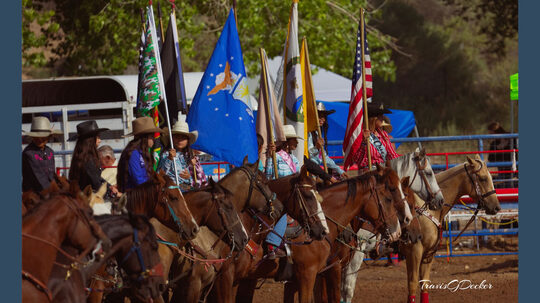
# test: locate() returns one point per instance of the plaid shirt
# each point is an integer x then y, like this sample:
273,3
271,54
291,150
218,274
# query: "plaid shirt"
316,156
283,168
167,165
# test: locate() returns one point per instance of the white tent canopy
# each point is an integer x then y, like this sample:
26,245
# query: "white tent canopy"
328,86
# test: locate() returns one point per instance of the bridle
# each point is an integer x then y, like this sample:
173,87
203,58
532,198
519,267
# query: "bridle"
171,210
420,170
303,205
473,177
254,183
381,219
145,273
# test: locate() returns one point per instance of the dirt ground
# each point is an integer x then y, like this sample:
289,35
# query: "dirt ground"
379,283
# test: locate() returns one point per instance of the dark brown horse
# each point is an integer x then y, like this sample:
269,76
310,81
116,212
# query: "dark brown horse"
212,207
134,250
64,217
351,260
160,198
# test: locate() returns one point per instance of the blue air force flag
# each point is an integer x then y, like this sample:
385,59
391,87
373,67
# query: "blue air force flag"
220,110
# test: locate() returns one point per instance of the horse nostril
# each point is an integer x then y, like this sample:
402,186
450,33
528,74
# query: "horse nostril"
195,230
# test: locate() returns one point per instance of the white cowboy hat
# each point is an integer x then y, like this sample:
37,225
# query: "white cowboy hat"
182,128
290,132
41,127
143,125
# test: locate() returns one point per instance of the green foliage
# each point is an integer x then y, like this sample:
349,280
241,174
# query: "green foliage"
36,27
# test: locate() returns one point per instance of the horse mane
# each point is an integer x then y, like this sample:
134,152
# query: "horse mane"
137,196
119,226
447,174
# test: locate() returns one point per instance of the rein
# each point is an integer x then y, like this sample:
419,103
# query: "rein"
420,170
157,270
171,211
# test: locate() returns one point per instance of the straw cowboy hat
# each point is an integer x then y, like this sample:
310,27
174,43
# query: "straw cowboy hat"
182,128
87,129
290,132
321,109
41,127
376,109
143,125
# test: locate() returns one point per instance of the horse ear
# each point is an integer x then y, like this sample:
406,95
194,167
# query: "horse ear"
388,163
372,181
477,157
405,182
303,171
245,161
471,161
380,169
423,152
211,182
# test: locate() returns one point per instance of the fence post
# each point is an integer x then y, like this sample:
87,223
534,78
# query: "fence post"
481,148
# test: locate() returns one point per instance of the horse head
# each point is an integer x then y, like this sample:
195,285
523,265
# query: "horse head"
481,186
172,209
140,260
380,207
304,203
411,233
423,182
398,196
225,218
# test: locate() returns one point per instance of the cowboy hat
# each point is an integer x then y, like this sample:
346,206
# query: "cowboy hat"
290,132
143,125
321,109
87,129
41,127
182,128
376,109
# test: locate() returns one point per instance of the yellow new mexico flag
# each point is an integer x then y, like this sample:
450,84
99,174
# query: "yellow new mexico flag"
311,118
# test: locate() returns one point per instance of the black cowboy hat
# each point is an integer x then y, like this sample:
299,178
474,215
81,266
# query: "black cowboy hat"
376,109
321,109
87,129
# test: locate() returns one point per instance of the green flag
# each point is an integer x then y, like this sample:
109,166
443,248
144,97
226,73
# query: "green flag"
514,86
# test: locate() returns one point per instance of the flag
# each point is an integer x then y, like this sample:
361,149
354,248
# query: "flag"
267,90
151,85
355,121
220,110
292,81
172,72
310,110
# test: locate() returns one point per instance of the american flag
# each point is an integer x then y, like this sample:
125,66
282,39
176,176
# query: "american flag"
353,133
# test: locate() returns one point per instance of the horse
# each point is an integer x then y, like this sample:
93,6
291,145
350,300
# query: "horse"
371,195
368,242
470,178
416,165
302,202
250,195
134,250
161,198
211,206
65,216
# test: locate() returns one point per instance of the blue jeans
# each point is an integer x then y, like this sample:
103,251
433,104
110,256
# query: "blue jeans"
279,228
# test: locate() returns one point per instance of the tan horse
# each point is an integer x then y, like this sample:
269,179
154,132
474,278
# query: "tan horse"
470,178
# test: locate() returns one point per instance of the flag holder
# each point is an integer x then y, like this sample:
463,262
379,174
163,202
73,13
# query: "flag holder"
267,109
364,94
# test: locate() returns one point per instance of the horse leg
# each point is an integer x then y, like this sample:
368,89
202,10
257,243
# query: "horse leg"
425,271
333,283
320,292
306,282
413,257
246,290
223,289
349,275
291,287
166,258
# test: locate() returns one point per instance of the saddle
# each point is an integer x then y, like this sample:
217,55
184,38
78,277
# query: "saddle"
293,230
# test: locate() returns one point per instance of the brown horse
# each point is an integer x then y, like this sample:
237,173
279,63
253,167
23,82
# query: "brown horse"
134,250
470,178
250,195
370,195
212,207
352,259
65,216
160,198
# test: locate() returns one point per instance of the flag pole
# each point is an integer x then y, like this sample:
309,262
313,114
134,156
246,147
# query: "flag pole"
364,94
234,10
323,152
164,99
267,109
